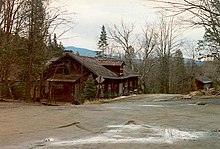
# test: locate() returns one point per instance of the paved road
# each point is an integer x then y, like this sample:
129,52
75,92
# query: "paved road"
143,121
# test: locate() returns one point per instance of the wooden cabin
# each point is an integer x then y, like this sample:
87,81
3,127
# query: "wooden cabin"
203,82
65,77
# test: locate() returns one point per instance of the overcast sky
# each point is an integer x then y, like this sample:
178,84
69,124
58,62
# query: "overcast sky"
92,14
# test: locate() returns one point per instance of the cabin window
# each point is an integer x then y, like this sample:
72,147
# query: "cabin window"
66,70
131,84
47,87
59,86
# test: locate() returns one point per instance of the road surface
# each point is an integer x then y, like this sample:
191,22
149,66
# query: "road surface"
143,121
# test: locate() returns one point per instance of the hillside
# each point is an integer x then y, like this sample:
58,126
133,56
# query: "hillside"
190,61
82,51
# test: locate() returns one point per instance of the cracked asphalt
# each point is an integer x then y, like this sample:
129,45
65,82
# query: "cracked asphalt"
142,121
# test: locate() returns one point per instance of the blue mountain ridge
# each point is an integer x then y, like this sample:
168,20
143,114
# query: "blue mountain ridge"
190,61
82,51
90,53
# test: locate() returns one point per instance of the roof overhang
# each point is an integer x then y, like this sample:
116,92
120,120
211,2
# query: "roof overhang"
61,80
121,77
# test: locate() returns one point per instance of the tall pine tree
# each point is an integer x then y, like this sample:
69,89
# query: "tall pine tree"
36,24
56,49
102,43
178,74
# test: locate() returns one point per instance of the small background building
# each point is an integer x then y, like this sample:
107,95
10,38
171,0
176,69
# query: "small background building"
203,82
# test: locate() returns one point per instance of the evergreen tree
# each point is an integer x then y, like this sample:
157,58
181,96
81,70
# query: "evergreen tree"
102,43
56,49
130,56
77,53
35,13
211,38
89,90
178,74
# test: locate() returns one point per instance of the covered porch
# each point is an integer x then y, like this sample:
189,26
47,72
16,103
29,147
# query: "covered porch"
65,90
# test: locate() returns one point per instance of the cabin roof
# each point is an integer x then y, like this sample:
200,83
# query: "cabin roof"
110,62
204,79
93,65
96,66
52,60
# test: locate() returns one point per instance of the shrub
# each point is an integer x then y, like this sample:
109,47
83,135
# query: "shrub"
90,89
19,90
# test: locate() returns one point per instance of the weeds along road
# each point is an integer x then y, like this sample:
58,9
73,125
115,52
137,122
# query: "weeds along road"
143,121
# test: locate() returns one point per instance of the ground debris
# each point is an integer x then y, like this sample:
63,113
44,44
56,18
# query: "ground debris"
217,130
68,125
201,103
49,140
131,122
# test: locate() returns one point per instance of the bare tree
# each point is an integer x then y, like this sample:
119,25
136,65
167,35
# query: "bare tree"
203,13
123,35
145,55
9,26
193,55
168,42
1,4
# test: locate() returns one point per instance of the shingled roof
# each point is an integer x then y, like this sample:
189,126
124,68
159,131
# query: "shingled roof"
110,62
204,79
93,65
96,65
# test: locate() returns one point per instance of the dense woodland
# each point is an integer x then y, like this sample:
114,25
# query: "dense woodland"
28,41
26,44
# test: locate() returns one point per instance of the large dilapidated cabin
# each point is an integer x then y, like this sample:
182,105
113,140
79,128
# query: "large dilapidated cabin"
65,77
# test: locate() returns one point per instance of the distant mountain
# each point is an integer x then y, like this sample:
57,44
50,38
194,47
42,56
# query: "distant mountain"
81,51
91,53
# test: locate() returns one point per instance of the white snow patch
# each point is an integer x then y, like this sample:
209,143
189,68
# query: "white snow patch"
132,133
120,97
121,127
192,104
180,135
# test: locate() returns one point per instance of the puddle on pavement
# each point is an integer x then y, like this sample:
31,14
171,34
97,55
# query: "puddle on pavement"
132,133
